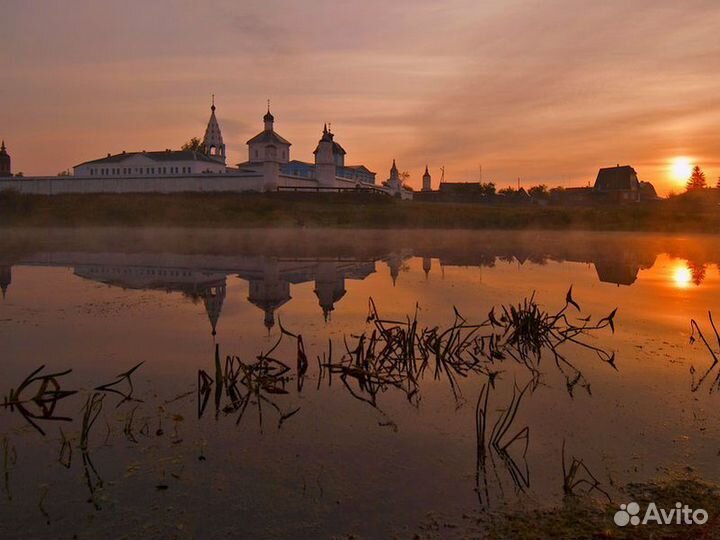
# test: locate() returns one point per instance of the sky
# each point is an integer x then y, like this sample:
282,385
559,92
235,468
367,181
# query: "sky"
546,91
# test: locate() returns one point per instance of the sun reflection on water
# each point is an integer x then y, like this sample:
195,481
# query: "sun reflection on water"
682,275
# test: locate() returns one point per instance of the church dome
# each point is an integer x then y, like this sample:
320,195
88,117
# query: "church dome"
268,117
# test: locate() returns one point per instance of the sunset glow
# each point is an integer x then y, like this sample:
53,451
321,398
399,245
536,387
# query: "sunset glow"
441,84
681,169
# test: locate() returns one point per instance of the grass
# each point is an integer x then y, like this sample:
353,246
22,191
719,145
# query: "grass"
583,517
343,210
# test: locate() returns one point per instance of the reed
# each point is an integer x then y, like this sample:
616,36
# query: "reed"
41,404
125,377
577,474
696,333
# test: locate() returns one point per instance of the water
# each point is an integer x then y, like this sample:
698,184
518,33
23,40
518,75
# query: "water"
101,301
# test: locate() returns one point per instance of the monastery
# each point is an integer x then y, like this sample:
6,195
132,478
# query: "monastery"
268,168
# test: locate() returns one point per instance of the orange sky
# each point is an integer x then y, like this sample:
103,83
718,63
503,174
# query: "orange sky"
547,90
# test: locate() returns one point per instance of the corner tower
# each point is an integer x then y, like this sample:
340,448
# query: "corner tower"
5,165
427,180
393,183
325,167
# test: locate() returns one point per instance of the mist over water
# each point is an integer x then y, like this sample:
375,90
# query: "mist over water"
323,458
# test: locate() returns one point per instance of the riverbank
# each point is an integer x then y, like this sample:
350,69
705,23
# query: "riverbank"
343,210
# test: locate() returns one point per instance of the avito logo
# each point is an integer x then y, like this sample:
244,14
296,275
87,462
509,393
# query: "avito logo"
682,514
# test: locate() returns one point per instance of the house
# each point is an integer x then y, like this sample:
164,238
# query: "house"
572,195
647,192
617,184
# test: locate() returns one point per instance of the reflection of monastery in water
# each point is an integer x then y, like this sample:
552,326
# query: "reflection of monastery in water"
613,265
269,281
5,279
203,278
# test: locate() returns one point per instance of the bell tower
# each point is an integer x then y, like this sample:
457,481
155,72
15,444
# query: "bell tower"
213,142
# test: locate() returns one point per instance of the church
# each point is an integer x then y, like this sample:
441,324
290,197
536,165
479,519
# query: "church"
269,167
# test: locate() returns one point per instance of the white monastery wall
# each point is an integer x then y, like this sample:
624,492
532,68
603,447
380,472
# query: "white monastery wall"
55,185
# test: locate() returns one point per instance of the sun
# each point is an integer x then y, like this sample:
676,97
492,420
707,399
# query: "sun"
681,169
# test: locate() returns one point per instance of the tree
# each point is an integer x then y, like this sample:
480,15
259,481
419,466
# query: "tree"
698,271
539,192
404,177
195,145
697,179
64,173
718,183
487,189
507,191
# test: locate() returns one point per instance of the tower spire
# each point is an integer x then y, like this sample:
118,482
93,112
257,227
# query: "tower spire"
212,107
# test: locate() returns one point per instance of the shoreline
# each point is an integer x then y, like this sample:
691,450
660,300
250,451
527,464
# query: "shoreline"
345,211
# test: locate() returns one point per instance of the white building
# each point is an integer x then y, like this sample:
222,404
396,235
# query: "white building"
164,163
268,168
258,145
141,164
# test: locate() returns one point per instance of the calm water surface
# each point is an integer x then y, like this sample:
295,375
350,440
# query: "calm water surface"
100,302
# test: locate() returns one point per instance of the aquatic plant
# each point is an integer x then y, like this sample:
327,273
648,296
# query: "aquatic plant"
244,383
695,334
125,377
398,353
577,474
47,394
499,444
